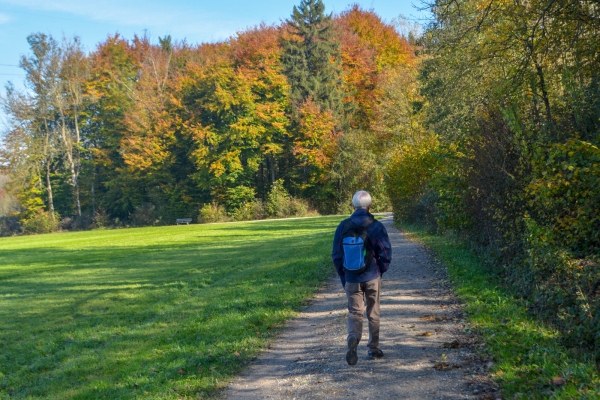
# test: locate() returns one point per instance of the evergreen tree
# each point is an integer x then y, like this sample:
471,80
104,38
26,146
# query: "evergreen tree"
312,59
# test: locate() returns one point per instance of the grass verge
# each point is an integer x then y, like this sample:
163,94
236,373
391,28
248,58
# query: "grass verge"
531,361
162,313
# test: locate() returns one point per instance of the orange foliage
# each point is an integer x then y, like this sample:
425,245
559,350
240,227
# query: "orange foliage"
369,48
391,49
317,139
150,127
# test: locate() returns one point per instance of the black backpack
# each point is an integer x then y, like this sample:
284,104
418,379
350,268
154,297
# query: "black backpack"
358,252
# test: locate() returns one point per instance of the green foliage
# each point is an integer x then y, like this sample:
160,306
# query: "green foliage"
565,195
238,197
311,58
162,312
145,215
278,200
563,289
409,176
41,222
280,204
244,207
562,241
250,211
357,165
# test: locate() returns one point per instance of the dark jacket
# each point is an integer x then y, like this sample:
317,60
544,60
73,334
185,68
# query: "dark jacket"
382,250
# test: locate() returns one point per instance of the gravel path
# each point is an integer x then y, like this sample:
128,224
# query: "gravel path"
428,355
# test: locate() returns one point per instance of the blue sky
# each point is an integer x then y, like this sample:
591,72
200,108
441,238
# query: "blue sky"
196,21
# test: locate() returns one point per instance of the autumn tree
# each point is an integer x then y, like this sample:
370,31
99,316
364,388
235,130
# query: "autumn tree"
511,108
235,104
113,72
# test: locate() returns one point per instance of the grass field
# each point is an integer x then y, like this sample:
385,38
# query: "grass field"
531,360
163,312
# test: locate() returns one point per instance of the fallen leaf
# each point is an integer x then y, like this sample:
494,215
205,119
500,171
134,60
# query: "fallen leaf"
426,333
559,381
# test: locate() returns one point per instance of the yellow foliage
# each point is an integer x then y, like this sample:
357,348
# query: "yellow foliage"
409,173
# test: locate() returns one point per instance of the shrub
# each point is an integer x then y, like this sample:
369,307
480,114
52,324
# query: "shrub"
278,201
238,197
9,226
562,239
345,208
281,205
145,215
101,219
381,202
252,210
565,195
83,222
213,212
66,224
298,208
42,222
77,223
565,290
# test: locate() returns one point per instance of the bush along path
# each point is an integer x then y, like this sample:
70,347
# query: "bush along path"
429,352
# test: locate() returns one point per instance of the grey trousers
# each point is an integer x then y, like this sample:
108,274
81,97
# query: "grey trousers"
358,294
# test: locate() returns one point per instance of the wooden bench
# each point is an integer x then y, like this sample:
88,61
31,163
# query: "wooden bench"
183,221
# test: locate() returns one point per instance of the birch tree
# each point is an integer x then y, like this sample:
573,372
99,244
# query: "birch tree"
42,70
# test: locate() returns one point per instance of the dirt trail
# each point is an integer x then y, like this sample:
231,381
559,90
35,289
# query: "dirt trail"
421,327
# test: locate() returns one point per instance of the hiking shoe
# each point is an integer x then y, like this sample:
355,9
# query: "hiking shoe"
351,356
375,353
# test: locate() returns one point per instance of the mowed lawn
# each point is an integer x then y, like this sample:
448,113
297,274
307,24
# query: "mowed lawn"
161,312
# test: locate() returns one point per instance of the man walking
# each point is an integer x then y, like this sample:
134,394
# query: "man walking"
362,284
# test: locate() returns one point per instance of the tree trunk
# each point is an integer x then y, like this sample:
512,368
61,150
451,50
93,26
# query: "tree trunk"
69,151
272,165
49,190
93,199
540,73
48,157
77,162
